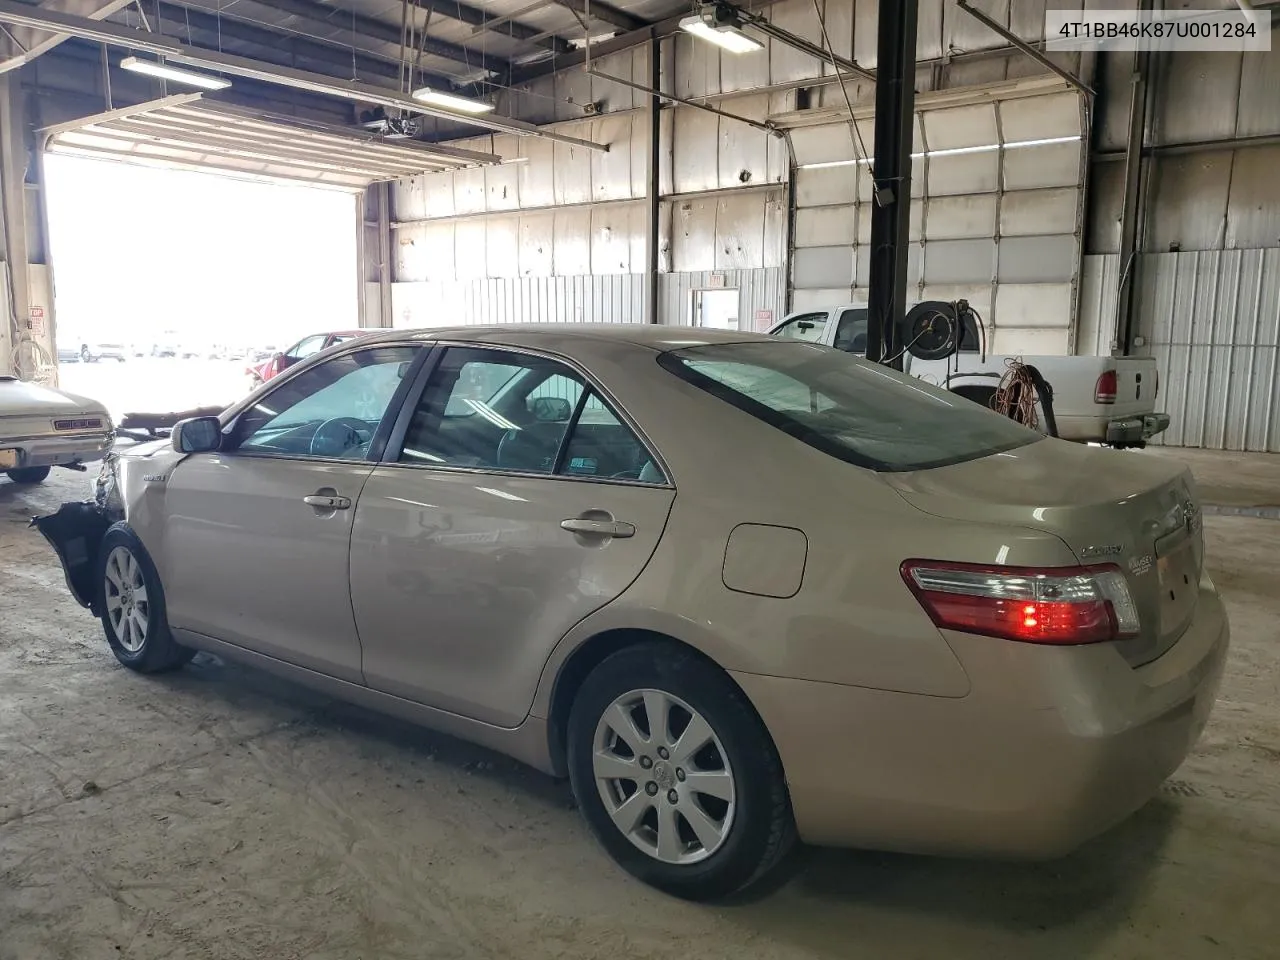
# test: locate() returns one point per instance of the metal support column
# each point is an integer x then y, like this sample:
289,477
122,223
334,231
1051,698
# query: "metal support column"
385,266
653,185
891,210
13,219
1131,214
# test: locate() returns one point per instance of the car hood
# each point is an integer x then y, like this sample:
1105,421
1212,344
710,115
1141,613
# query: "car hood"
1134,510
20,398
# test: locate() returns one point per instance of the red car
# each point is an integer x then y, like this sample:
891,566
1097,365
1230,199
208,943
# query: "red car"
262,372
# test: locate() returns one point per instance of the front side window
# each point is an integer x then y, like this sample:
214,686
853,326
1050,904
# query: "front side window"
305,348
499,410
859,412
330,411
808,327
851,331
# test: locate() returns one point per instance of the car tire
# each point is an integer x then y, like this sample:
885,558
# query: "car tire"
745,824
131,601
85,355
29,474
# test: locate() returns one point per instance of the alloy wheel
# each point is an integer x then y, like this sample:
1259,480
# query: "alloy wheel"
126,596
664,776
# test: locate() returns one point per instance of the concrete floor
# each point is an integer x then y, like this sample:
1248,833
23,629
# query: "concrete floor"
219,813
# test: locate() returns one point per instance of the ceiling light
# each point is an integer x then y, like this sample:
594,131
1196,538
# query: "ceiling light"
178,75
451,101
720,26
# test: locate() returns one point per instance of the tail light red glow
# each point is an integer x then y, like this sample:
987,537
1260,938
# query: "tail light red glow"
1054,605
1105,390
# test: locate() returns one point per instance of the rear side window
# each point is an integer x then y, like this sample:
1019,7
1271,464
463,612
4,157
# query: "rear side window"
859,412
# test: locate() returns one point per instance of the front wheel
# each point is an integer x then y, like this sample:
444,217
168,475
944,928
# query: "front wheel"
676,775
132,606
29,474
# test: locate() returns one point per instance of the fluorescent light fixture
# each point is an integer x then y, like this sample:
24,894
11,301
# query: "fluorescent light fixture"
191,78
950,152
451,101
727,36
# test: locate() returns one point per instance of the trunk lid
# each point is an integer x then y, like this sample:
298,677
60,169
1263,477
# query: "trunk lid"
1136,511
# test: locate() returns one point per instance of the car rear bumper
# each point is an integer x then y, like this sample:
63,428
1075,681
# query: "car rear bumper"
1052,746
51,450
1135,429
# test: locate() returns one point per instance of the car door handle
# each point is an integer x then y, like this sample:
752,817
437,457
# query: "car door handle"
598,528
321,502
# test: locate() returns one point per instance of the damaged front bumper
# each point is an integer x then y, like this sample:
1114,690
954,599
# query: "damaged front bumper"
75,532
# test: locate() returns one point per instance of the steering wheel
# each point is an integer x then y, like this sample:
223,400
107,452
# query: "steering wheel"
336,436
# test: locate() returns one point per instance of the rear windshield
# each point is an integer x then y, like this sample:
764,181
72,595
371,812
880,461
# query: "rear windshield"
860,412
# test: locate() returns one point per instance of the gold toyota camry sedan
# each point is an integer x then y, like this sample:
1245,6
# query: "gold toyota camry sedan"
740,591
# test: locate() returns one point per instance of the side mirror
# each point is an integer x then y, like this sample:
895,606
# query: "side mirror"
197,435
550,409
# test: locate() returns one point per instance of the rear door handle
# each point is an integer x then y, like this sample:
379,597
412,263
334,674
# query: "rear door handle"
598,528
321,502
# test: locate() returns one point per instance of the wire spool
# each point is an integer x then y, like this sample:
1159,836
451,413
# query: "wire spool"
1021,389
932,331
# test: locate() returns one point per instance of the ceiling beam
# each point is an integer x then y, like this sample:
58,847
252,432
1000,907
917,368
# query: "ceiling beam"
282,47
175,51
321,22
604,13
512,28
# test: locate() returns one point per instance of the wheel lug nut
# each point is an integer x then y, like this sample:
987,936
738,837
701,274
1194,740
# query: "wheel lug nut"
673,797
662,752
651,788
680,774
646,762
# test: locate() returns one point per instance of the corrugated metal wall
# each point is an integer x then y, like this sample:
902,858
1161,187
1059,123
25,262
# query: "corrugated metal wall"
1207,295
584,299
579,299
1211,318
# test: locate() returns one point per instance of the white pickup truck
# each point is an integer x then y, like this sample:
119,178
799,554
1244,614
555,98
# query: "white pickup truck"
1108,400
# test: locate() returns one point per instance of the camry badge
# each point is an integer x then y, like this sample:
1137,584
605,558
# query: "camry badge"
1101,550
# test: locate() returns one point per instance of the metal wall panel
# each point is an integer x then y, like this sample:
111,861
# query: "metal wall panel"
1050,165
1032,212
611,240
957,218
1256,112
537,244
826,226
1253,205
1199,96
693,235
1038,259
760,291
1099,284
502,247
1189,201
971,126
961,202
470,246
962,173
1212,321
582,299
572,242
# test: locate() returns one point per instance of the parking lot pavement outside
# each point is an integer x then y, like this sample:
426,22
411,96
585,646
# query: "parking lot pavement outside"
156,384
220,813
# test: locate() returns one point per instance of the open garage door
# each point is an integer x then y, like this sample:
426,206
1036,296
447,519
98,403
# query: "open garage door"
191,133
996,203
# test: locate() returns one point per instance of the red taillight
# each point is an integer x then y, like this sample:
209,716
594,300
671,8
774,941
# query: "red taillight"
1105,391
1056,605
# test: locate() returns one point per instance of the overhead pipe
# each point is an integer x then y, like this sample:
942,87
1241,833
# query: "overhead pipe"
41,19
1026,48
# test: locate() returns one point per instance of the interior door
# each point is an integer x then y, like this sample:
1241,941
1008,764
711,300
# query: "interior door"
258,534
518,503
